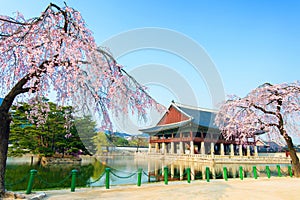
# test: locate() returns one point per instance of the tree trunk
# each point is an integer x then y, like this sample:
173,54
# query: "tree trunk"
294,157
5,120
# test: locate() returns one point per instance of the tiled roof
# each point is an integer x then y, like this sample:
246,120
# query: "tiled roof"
159,128
199,116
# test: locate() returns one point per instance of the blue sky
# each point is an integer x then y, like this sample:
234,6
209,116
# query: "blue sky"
250,42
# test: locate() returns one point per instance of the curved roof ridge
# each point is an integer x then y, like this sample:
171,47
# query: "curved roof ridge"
165,126
178,105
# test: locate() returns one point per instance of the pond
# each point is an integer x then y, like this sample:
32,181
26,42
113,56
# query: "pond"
123,170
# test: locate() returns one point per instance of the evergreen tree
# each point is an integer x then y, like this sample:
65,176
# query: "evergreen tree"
51,137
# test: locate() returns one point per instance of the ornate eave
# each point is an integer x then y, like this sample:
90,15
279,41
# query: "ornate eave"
155,129
194,116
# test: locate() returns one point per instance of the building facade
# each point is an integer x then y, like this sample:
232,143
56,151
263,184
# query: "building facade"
186,129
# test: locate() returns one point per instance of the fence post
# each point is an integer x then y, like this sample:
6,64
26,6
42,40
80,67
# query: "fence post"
278,170
188,171
241,173
225,173
166,175
254,172
73,181
268,171
207,174
107,170
139,177
290,171
30,182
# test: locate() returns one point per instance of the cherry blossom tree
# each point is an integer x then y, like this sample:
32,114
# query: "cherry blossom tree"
269,109
57,52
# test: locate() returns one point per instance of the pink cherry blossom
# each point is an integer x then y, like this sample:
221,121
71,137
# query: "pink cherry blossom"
269,109
57,52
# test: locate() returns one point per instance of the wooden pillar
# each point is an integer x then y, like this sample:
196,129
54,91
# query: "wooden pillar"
193,171
255,151
172,151
231,150
212,149
163,148
155,168
172,171
181,168
203,172
248,150
181,147
240,150
167,148
192,148
156,147
149,148
202,148
222,149
213,172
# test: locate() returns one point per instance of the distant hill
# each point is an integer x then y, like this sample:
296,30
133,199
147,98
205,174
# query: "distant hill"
123,135
119,134
126,135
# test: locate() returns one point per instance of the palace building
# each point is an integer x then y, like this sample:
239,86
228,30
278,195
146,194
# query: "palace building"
191,130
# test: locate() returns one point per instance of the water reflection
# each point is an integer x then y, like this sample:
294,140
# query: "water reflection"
50,176
177,170
124,171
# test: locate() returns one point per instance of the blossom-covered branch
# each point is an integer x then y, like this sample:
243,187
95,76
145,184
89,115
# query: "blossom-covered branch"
57,52
268,109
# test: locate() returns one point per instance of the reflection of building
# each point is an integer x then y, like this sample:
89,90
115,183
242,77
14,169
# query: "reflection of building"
190,130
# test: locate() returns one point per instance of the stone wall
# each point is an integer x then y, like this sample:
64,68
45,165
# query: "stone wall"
25,159
55,160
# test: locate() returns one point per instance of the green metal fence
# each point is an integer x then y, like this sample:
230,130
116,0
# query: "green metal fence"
73,177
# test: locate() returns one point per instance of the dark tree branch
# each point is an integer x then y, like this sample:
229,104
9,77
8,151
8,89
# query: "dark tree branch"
16,90
263,110
15,22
